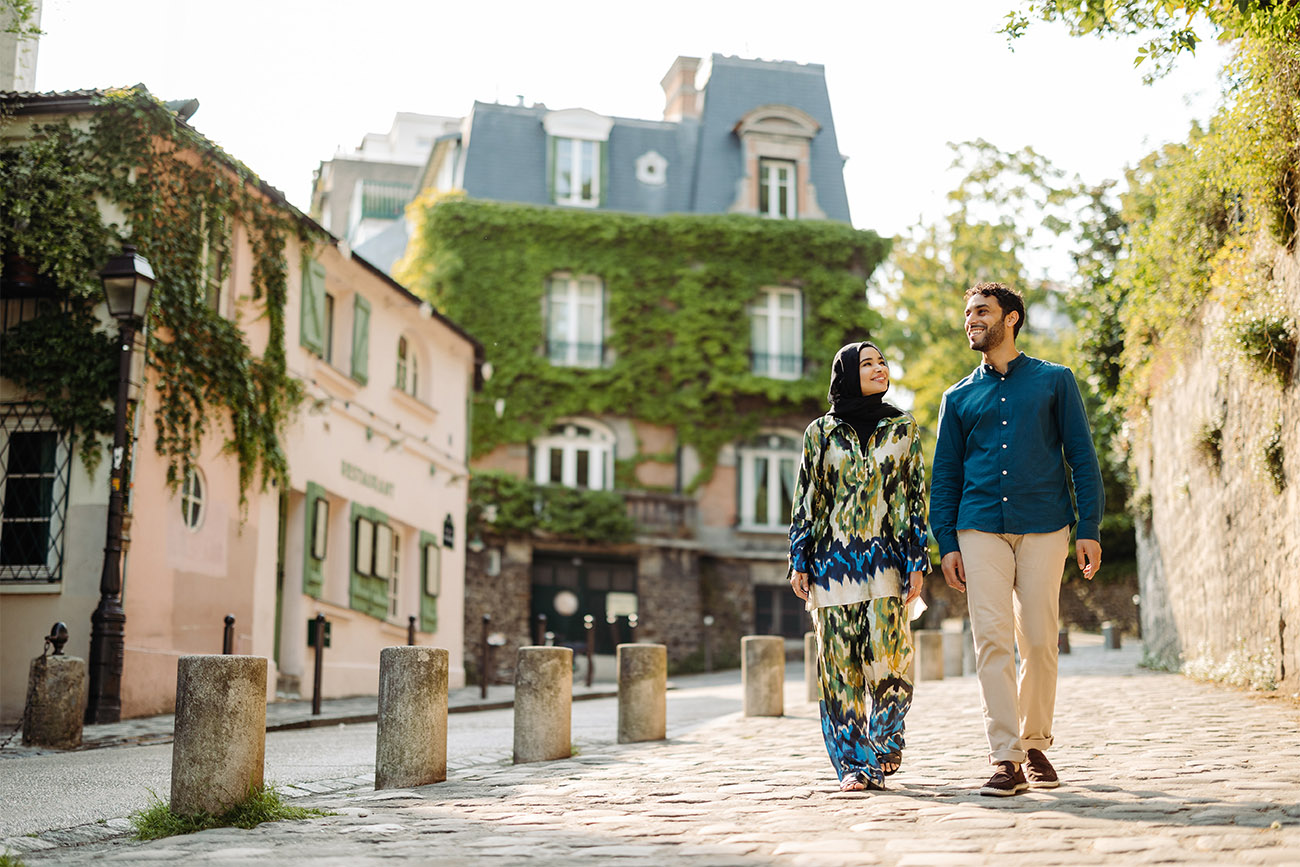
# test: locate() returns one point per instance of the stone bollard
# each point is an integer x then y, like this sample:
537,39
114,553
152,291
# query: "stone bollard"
543,704
928,645
56,702
953,654
642,692
1110,636
810,679
219,750
411,741
762,670
967,647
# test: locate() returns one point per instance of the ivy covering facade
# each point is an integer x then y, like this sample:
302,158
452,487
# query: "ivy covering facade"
179,198
677,292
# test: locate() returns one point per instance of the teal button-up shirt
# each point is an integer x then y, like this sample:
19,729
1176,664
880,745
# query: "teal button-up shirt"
1003,445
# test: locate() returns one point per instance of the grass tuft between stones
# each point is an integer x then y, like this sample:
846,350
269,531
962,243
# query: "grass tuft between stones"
7,860
262,805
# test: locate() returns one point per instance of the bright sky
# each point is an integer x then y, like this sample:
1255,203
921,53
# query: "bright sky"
284,83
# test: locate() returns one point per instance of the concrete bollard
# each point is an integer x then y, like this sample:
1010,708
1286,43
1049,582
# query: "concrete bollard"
928,645
810,679
762,670
56,702
543,704
411,741
967,647
642,692
1110,636
953,654
219,750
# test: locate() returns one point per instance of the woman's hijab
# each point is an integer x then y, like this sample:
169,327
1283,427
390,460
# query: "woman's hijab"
848,402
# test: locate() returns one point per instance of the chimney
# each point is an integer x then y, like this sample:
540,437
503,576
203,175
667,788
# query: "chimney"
681,99
19,39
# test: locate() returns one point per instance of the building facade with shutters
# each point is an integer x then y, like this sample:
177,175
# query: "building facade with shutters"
756,142
369,530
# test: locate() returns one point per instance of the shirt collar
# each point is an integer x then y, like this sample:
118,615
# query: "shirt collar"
1011,365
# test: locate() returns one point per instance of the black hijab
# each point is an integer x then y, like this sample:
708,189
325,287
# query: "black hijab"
848,402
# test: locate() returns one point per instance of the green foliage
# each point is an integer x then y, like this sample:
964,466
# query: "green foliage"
8,860
262,805
1168,24
17,17
1267,340
1209,443
181,197
505,504
678,289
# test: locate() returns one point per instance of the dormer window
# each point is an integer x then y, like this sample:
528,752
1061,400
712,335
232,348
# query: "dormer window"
577,140
776,189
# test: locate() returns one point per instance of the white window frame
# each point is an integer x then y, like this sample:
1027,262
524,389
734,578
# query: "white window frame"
768,309
598,444
770,448
394,588
191,501
572,161
769,177
408,367
565,291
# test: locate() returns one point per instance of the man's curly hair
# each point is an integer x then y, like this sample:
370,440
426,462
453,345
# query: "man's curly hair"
1008,299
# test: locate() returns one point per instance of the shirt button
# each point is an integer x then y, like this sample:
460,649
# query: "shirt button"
1004,445
1004,472
1004,422
1004,499
1004,400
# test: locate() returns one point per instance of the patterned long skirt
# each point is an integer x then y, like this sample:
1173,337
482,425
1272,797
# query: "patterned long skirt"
865,651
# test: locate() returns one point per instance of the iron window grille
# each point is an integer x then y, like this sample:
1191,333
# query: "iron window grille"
35,469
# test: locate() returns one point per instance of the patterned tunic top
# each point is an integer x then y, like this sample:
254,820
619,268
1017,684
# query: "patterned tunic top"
859,517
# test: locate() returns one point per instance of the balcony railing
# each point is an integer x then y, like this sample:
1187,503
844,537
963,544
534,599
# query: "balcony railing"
655,514
776,366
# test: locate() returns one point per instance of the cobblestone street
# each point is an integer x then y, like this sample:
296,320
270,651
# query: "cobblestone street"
1155,769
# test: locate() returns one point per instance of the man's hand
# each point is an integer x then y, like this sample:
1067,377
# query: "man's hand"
915,581
799,584
1088,552
954,570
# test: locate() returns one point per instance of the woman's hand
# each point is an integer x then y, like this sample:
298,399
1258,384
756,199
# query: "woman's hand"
799,584
915,581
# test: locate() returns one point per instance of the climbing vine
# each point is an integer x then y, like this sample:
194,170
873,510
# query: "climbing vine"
677,292
179,199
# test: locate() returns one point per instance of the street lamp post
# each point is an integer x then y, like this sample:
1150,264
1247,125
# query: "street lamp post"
128,280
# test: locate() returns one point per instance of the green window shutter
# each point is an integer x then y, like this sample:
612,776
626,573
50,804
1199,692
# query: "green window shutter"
428,602
361,340
313,571
366,593
311,331
604,172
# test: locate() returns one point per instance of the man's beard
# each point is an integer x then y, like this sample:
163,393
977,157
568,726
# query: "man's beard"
990,339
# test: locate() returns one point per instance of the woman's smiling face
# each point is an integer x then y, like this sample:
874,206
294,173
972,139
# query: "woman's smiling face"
873,371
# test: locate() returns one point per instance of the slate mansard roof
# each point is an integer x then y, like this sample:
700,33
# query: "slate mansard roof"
506,155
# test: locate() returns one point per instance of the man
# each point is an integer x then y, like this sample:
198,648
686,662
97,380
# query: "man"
1000,509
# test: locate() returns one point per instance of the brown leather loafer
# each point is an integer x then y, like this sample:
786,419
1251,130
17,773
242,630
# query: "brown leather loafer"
1007,780
1039,771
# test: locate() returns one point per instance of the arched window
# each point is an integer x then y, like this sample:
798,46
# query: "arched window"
576,454
194,491
408,367
767,465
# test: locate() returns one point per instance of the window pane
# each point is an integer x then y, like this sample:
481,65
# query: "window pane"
363,562
558,325
32,452
383,550
789,349
320,528
557,466
786,300
30,497
764,189
787,490
24,543
584,458
563,168
588,170
760,490
588,333
432,567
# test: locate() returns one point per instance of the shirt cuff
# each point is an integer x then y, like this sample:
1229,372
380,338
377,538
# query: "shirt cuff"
947,540
1088,530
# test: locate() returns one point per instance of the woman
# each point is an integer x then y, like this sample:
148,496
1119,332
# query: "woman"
858,554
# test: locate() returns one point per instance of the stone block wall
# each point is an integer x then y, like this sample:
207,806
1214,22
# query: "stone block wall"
1218,545
669,600
506,596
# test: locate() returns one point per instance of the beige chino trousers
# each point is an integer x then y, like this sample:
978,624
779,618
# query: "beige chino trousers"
1013,589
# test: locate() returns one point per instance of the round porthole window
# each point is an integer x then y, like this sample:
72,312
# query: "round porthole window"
194,492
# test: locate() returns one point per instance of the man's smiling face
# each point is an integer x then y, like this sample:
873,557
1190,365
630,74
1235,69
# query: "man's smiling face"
986,326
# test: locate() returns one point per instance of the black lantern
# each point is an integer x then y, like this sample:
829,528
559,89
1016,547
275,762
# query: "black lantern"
128,282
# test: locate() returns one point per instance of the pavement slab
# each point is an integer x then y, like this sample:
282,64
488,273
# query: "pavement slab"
1155,769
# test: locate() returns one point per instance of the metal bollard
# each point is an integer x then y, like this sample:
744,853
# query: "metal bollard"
708,642
219,750
1063,640
228,636
632,622
410,631
810,679
484,651
541,630
762,671
411,737
543,704
589,623
642,692
1110,636
318,676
